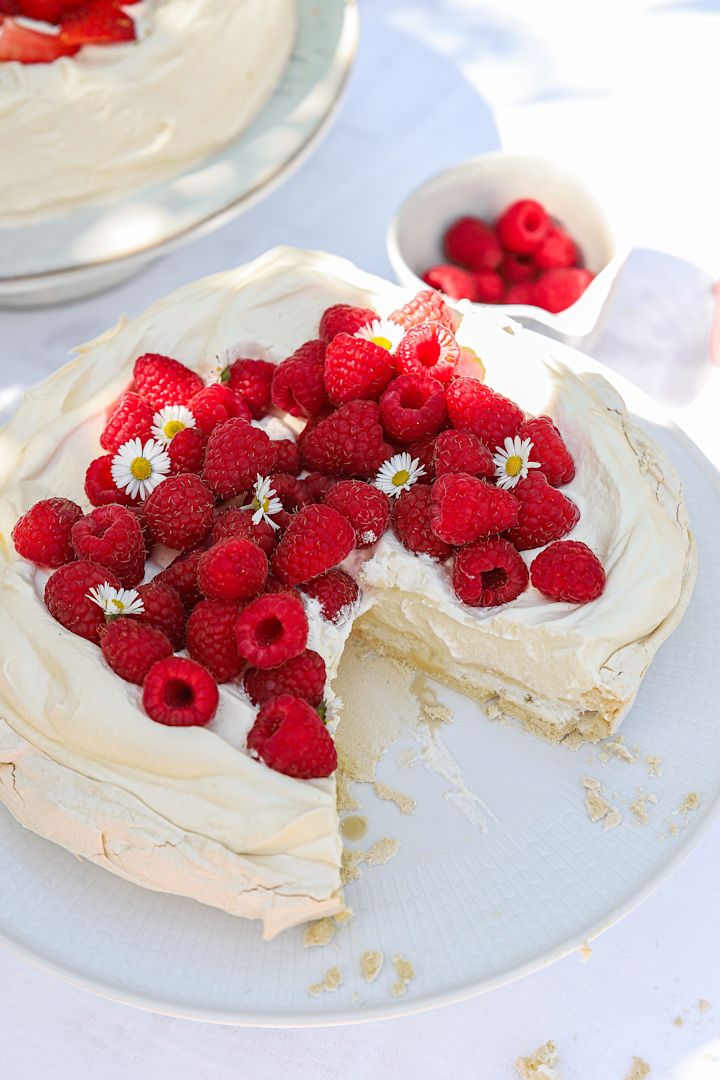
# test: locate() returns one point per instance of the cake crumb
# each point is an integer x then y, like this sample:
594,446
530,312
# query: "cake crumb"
405,973
654,766
639,806
405,803
689,803
406,757
678,1021
331,981
640,1069
596,806
344,915
703,1005
492,709
344,798
382,851
612,819
616,748
541,1065
585,951
371,963
673,828
591,784
376,855
320,932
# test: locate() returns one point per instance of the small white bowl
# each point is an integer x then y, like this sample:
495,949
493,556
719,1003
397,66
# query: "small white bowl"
484,186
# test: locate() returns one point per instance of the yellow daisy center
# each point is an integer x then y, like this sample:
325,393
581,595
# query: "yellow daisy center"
383,342
141,468
401,477
117,604
172,428
513,465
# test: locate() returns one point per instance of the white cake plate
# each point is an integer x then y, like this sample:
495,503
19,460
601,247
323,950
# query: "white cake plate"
98,246
471,909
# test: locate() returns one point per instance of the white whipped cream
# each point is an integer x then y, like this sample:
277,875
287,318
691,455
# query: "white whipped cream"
274,842
113,118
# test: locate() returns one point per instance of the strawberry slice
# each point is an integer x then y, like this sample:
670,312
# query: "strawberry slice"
30,46
49,11
9,7
101,23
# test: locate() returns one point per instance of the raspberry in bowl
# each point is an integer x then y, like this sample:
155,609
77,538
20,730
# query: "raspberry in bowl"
515,230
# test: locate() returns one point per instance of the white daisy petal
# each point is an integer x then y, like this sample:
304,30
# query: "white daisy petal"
115,602
398,474
137,469
170,420
513,463
265,502
383,332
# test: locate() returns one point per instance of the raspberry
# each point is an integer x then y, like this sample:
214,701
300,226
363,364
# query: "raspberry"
303,676
234,569
518,268
111,536
347,443
100,487
251,379
365,507
556,290
455,282
317,485
131,648
424,450
427,306
131,418
544,513
287,456
549,450
292,493
181,575
522,226
464,509
472,406
521,293
272,630
489,287
472,243
356,369
461,452
180,511
187,451
411,522
344,319
211,638
568,571
557,249
138,512
42,535
236,453
289,737
164,610
180,693
413,407
335,591
428,349
215,404
298,386
489,573
67,600
238,522
164,381
316,539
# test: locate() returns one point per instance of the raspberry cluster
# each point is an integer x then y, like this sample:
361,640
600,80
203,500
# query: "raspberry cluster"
251,531
525,257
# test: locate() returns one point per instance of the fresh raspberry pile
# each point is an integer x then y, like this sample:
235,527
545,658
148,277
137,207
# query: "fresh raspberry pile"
253,532
524,257
70,25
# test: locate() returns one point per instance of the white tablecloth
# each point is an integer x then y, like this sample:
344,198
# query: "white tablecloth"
624,91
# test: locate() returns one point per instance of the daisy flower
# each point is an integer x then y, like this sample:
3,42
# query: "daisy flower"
383,332
512,463
116,602
138,469
398,474
265,502
171,420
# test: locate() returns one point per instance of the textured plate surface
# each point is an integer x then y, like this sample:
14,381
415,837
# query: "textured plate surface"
470,908
103,241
